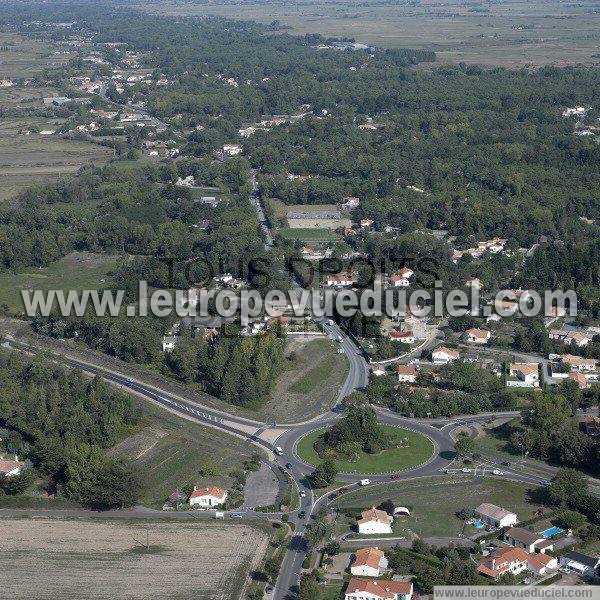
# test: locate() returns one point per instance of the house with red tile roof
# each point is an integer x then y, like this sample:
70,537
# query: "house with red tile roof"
10,468
477,336
369,589
207,497
407,373
374,520
368,562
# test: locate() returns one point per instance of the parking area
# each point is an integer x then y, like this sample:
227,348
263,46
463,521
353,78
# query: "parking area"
261,488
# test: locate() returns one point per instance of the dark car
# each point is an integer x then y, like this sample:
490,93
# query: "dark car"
332,496
288,465
302,514
506,464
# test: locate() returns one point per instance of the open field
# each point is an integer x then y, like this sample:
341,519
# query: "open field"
78,271
434,502
309,384
31,159
511,33
46,558
395,459
171,450
25,57
308,235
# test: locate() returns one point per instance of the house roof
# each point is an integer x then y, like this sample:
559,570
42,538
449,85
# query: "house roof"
209,491
368,557
525,368
577,361
479,333
384,589
492,511
449,351
374,514
540,560
407,370
584,559
8,465
523,535
579,378
401,334
510,555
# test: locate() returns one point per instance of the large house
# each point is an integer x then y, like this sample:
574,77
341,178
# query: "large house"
524,374
402,277
406,337
207,497
577,363
374,521
515,560
477,336
369,562
495,516
407,373
582,563
9,468
341,280
570,336
527,540
442,355
369,589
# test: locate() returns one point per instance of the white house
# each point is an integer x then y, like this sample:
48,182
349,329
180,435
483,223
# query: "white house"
188,181
442,355
477,336
9,468
341,280
407,373
168,343
374,521
369,562
526,374
495,516
529,541
378,369
232,149
542,564
503,561
402,277
369,589
207,497
406,337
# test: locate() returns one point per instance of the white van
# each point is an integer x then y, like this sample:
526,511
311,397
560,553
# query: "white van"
219,515
279,450
364,482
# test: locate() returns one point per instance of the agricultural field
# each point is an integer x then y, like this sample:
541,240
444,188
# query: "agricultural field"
309,236
310,382
25,57
434,502
77,271
511,34
396,458
39,159
171,451
100,559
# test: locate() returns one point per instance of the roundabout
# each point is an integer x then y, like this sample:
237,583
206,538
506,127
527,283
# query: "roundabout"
417,449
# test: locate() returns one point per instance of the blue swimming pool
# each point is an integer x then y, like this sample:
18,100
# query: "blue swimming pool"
548,533
478,524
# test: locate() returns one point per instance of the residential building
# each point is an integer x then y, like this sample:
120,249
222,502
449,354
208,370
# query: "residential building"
366,223
9,468
207,497
350,202
495,516
524,375
368,562
377,369
502,561
407,373
525,539
477,336
580,379
569,336
168,343
402,277
442,355
369,589
577,363
374,521
584,564
542,564
406,337
475,283
232,149
590,426
340,280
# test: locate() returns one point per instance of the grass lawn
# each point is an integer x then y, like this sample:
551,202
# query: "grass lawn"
77,271
309,383
434,502
171,450
308,235
394,459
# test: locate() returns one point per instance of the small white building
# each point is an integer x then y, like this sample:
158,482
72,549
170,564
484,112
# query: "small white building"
526,375
477,336
407,373
373,589
582,563
10,468
442,355
207,497
495,516
168,343
368,562
374,521
402,277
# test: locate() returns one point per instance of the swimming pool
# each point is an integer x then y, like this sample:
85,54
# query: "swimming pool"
478,524
548,533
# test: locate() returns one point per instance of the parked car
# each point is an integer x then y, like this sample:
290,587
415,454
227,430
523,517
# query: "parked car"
288,465
505,463
364,482
302,514
395,475
466,470
302,494
236,516
497,472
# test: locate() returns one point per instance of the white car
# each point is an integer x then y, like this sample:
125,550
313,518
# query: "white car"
364,482
465,470
496,472
340,351
302,494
